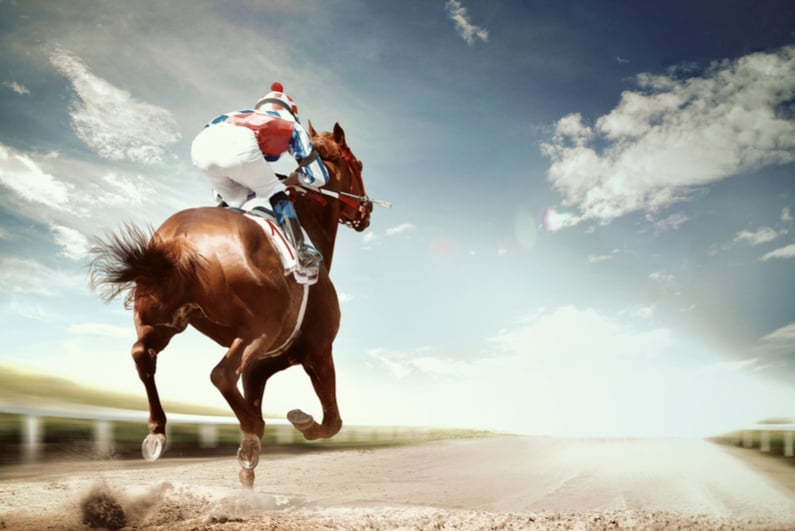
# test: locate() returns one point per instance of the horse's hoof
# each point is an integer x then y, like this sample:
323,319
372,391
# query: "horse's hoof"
247,477
300,420
153,446
248,453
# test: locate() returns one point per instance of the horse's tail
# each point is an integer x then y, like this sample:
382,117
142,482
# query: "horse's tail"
140,263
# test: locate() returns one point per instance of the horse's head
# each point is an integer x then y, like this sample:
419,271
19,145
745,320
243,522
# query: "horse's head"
345,176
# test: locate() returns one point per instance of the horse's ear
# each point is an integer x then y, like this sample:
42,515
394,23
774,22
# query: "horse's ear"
312,131
339,134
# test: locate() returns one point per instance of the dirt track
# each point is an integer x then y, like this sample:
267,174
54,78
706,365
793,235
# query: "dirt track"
493,483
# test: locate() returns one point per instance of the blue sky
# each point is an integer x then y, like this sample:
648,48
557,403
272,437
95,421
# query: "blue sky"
592,229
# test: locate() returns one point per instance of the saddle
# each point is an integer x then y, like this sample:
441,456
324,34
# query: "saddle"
266,219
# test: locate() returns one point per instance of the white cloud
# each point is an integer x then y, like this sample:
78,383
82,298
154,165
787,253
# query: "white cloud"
662,278
468,31
400,229
20,275
16,87
595,259
672,222
22,175
673,134
119,190
780,341
27,310
403,364
110,121
74,243
757,237
369,238
782,252
102,329
786,215
345,297
391,361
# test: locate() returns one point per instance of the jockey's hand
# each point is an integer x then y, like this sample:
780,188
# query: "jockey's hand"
293,180
298,179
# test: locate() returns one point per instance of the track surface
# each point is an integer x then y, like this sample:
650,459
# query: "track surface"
491,483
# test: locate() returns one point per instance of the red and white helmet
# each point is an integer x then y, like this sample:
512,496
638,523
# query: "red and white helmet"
277,100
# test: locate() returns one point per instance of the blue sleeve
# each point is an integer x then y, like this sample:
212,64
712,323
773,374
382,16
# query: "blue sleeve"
314,174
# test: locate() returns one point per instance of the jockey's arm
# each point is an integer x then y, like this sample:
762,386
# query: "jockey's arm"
312,172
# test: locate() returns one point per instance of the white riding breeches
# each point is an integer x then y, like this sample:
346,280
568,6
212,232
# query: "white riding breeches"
231,160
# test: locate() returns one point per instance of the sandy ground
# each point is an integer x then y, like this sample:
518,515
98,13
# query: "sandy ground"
491,483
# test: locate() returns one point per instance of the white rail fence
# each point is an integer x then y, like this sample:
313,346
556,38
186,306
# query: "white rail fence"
745,437
32,424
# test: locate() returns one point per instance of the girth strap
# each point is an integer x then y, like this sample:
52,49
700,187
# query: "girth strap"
299,320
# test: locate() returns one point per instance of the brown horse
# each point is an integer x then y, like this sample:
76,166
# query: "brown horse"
214,269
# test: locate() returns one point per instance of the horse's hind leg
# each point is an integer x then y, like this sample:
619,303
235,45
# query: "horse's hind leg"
225,376
151,340
321,372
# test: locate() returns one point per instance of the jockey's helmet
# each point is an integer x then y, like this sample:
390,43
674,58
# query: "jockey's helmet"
276,100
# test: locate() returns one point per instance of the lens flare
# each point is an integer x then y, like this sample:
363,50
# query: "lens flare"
553,221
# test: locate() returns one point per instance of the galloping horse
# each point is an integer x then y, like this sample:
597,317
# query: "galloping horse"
216,270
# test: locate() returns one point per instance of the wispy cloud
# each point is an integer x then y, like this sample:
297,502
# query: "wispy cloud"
26,309
400,229
787,251
22,175
465,28
73,242
22,90
345,297
780,341
101,329
21,275
673,134
757,237
403,364
671,222
598,258
112,122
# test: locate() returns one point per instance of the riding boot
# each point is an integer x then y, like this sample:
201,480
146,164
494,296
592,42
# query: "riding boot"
308,256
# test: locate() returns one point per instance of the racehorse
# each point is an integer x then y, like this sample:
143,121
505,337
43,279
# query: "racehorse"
216,270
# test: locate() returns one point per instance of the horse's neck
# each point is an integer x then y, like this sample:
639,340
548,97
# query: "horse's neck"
320,222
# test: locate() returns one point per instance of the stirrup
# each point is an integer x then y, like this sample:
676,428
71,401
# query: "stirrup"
309,257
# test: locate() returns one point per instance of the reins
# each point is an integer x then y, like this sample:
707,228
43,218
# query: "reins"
362,204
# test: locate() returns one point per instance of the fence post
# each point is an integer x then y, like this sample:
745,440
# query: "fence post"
208,436
789,444
764,441
103,437
748,439
31,439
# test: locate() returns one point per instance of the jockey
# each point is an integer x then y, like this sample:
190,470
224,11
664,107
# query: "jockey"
234,149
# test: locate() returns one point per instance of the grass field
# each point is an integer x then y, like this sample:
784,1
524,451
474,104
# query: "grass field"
74,437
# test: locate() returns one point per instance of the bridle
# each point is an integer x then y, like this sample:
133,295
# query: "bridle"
362,204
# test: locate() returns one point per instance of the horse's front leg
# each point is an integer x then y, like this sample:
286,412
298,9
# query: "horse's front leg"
321,372
151,341
225,376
